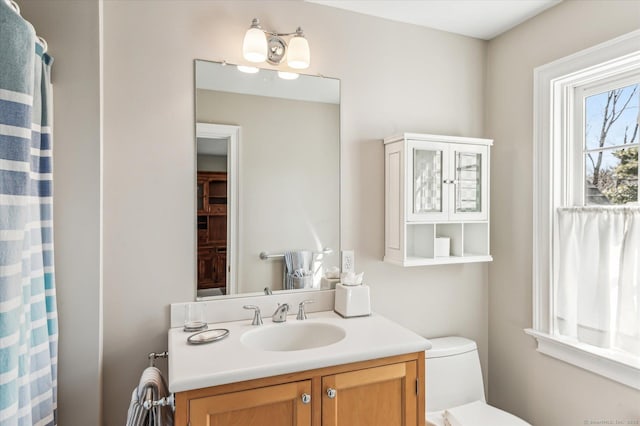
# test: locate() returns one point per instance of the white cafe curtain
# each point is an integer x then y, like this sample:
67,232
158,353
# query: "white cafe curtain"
597,283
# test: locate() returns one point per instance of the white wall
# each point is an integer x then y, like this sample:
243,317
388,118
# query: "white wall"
71,29
394,78
541,389
212,163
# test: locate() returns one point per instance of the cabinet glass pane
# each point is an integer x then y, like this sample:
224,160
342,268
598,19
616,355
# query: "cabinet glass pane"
427,181
468,182
200,196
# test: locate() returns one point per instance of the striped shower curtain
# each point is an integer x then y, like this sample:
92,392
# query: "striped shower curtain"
28,316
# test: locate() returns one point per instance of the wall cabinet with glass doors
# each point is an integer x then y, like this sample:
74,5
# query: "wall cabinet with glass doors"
436,199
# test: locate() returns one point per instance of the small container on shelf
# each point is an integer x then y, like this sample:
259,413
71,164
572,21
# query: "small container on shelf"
443,247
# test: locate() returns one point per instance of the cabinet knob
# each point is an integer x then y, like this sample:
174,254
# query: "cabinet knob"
331,393
306,398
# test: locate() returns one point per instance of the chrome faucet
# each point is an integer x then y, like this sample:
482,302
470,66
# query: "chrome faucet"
302,314
280,315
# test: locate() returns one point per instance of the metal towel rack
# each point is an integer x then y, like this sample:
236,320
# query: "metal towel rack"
155,355
149,402
265,256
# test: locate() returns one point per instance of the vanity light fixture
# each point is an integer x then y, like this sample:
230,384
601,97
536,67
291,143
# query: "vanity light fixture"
260,45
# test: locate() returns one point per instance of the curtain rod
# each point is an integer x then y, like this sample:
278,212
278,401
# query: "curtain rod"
41,40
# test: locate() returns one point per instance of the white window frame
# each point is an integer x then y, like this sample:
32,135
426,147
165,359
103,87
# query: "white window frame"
554,100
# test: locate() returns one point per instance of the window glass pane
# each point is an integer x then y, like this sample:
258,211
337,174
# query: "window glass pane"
611,118
468,177
612,176
427,181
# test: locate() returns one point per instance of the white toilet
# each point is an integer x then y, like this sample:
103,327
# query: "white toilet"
454,388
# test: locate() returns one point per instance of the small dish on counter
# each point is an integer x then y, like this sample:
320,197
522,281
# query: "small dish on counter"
208,336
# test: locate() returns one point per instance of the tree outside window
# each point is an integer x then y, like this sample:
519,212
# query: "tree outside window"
611,146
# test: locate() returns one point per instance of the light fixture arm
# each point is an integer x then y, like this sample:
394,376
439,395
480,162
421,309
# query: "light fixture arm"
256,24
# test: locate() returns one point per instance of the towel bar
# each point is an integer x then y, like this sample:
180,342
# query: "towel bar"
155,355
149,402
264,255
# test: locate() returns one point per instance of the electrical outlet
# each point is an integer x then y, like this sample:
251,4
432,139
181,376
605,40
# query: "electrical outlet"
348,261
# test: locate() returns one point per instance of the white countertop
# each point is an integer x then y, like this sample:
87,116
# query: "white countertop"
229,360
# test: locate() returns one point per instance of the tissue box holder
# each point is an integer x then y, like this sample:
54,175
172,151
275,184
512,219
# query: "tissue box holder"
352,301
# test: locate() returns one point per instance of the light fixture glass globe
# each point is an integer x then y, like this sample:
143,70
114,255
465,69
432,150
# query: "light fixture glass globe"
254,46
298,56
285,75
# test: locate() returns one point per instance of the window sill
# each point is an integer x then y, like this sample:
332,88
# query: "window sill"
607,363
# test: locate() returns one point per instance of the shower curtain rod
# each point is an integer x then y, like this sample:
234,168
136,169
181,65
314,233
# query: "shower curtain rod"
41,40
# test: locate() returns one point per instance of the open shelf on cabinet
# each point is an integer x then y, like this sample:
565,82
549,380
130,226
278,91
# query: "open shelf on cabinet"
469,242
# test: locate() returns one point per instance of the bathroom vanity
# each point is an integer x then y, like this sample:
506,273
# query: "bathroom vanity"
323,371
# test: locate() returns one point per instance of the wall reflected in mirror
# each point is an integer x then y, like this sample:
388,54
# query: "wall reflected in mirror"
268,180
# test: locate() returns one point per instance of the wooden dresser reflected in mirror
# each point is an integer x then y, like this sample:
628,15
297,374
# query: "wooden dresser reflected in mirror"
212,231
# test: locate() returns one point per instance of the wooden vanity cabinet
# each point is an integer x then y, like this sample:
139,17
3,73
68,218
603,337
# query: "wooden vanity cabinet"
381,392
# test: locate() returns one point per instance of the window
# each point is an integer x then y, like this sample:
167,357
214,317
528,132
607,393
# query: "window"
586,213
608,116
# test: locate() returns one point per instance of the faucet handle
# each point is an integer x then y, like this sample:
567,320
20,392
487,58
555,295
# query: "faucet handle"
257,318
302,314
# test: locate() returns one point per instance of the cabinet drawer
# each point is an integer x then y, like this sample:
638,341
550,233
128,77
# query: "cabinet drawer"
220,209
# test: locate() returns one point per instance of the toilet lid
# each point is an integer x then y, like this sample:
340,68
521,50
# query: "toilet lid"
475,413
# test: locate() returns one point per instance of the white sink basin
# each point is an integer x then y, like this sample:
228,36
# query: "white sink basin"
294,336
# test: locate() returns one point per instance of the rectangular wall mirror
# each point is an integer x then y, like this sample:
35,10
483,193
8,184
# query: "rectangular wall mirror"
267,179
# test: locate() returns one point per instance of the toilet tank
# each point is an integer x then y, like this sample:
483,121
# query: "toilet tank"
453,374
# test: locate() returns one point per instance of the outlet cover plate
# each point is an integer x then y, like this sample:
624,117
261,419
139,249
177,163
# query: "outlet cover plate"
348,261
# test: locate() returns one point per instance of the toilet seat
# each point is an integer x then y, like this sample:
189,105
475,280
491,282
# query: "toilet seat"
476,413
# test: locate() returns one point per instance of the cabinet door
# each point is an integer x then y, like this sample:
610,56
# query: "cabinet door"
202,195
469,171
220,269
379,396
427,167
281,405
206,268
